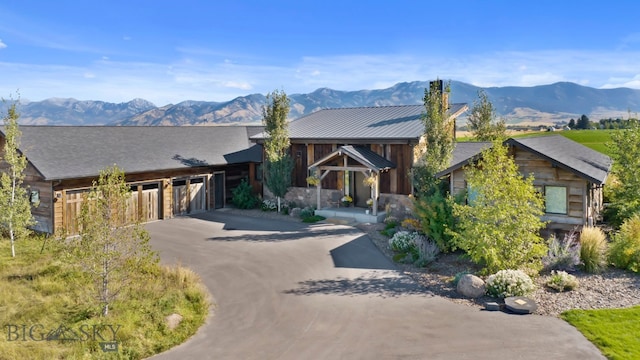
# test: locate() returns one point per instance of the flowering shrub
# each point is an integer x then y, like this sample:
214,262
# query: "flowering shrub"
411,224
269,205
506,283
369,202
346,200
402,241
413,247
562,281
563,254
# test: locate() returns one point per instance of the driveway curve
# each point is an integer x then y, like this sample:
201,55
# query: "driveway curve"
286,290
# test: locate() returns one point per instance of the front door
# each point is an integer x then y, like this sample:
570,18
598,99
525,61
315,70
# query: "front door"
361,191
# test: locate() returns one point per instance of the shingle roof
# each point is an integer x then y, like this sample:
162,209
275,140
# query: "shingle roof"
402,122
463,152
65,152
557,149
361,154
568,154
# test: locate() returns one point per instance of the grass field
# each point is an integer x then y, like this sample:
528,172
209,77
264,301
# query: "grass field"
616,332
48,312
595,139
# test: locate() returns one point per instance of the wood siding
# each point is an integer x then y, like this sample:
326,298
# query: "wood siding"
584,200
394,181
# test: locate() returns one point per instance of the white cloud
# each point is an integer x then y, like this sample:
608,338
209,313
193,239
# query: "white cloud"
221,80
2,44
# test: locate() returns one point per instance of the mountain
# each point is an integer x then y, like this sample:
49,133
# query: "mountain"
537,104
57,111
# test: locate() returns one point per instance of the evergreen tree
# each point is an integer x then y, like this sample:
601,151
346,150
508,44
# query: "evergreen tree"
278,161
15,209
583,122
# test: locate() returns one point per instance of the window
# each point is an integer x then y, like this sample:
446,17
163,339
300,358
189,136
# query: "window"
555,199
472,195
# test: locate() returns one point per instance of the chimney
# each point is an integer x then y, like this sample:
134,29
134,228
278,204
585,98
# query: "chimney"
439,85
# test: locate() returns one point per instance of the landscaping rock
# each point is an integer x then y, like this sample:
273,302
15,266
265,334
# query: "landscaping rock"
471,286
492,306
173,321
520,305
295,212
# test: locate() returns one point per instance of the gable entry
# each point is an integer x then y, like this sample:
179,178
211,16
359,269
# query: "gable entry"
357,159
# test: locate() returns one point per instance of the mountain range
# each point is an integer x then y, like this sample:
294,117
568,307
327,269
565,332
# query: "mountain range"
543,104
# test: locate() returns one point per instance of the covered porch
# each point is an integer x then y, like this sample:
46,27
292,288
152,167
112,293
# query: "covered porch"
360,168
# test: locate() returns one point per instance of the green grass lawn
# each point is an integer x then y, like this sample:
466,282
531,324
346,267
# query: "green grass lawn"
616,332
597,140
44,291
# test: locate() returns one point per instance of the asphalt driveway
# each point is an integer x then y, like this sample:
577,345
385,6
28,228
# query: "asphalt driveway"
286,290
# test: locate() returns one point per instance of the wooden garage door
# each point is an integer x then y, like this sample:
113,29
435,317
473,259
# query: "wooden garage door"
189,196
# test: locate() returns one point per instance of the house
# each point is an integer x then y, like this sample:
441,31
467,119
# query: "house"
569,175
171,170
364,152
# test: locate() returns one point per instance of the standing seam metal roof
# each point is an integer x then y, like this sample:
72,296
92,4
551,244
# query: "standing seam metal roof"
380,122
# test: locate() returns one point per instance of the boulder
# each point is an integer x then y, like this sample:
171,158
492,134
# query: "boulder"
295,212
471,286
173,321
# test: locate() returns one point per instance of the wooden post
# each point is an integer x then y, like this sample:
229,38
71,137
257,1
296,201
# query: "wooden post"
318,188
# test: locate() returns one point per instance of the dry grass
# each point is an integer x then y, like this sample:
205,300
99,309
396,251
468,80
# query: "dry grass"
593,249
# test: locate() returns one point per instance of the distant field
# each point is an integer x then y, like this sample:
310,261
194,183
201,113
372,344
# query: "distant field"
595,139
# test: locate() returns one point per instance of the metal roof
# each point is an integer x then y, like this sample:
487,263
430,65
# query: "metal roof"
66,152
568,154
362,155
402,122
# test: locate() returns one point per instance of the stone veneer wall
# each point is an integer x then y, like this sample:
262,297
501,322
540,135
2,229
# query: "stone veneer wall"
400,206
303,196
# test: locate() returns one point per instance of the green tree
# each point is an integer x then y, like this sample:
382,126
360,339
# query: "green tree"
278,161
572,124
110,249
625,192
583,122
438,129
432,204
482,120
500,226
15,209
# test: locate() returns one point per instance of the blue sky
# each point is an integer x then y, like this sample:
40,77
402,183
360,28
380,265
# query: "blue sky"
167,52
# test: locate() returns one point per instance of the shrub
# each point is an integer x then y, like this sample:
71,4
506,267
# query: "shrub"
402,241
313,219
506,283
593,247
269,205
307,213
243,197
413,247
562,281
428,250
391,221
624,252
411,224
563,254
436,214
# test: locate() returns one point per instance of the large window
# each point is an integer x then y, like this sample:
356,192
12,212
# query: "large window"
555,199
